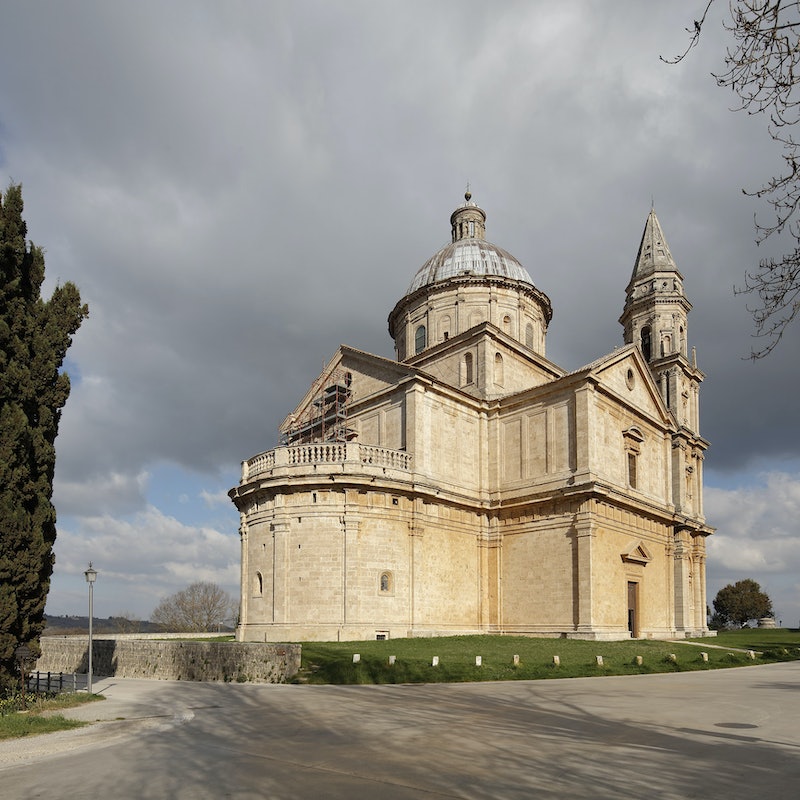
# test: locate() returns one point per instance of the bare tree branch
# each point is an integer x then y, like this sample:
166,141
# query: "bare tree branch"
695,38
202,606
763,71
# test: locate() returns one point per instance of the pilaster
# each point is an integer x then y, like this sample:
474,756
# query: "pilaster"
585,533
350,589
244,575
682,563
280,571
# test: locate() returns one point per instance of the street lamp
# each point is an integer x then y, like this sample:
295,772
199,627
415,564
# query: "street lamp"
91,576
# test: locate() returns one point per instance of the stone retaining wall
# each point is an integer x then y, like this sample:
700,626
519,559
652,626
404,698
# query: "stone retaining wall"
172,660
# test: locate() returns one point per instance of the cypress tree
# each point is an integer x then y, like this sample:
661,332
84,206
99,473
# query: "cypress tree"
34,338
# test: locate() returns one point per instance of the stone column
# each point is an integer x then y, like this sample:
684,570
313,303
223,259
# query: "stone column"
699,486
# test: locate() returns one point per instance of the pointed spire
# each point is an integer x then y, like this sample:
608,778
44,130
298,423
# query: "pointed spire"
654,254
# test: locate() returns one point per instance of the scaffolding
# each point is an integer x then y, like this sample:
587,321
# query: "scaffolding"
325,419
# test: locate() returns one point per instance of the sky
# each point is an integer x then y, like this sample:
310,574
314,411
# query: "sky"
237,188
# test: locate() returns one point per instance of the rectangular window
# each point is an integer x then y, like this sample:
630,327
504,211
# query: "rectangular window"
632,470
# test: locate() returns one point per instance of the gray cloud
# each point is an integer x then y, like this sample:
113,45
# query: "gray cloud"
238,188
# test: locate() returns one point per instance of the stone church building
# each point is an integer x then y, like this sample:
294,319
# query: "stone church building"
473,486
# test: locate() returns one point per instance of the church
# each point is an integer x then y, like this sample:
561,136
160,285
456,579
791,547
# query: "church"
472,485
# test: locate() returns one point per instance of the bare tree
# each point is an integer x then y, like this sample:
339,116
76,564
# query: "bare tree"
202,606
762,68
126,622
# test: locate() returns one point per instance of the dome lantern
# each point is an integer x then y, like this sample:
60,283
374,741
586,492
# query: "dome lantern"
468,221
468,282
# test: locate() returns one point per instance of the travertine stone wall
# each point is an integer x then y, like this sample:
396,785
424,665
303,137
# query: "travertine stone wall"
172,660
452,311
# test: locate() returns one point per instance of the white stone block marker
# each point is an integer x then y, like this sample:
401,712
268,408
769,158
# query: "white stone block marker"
557,661
435,661
599,661
392,659
639,660
704,656
516,660
356,658
478,661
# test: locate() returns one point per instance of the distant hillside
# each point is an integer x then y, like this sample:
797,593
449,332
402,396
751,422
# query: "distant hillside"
66,625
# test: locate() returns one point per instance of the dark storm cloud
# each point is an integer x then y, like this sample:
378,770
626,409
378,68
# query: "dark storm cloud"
238,188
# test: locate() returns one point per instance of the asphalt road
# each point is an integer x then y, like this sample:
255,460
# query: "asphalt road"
717,734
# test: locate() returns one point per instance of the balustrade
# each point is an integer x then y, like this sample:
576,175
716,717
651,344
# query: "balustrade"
326,453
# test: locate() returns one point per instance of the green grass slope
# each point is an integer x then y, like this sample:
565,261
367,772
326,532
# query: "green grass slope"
332,662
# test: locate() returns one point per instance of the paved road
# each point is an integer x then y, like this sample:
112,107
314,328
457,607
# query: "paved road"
718,734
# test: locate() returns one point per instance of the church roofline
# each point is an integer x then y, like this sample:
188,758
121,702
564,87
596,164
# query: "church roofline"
330,367
628,351
478,331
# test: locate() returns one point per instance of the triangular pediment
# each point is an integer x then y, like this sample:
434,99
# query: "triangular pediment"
350,376
444,362
626,375
637,553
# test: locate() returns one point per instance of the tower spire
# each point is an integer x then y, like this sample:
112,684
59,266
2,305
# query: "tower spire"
654,255
656,308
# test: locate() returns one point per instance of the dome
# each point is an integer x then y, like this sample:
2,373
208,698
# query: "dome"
469,258
467,283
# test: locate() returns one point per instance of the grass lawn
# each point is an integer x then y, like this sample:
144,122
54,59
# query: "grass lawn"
40,715
332,662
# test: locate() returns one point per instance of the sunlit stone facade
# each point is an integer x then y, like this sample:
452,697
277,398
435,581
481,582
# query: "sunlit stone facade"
472,486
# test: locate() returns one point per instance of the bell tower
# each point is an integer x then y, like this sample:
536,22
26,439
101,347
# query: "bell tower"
655,320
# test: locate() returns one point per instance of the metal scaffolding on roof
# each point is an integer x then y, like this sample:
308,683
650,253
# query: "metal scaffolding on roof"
325,419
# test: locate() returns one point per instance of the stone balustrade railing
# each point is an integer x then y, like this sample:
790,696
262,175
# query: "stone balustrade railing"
325,453
383,457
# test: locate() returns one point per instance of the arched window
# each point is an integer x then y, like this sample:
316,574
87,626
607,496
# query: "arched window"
529,336
467,375
646,347
258,584
386,583
498,369
420,339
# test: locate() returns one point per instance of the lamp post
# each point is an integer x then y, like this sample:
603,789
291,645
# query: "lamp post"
91,575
